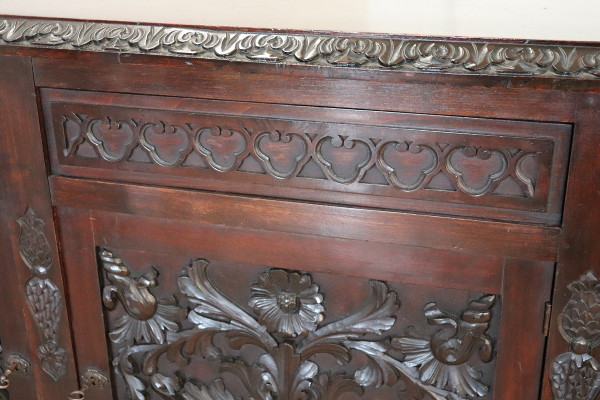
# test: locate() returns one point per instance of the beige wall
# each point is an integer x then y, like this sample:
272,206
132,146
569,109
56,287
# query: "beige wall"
526,19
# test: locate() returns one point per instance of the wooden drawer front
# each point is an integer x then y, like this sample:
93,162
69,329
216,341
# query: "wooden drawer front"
474,167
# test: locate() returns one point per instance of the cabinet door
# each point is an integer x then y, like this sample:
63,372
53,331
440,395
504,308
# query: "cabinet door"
209,296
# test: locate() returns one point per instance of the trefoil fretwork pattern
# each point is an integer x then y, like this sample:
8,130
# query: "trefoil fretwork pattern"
575,375
44,299
460,164
466,57
287,333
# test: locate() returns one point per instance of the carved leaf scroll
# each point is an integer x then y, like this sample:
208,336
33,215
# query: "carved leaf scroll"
575,375
461,57
288,335
44,299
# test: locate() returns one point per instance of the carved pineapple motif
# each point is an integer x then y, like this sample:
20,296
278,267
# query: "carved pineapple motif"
575,375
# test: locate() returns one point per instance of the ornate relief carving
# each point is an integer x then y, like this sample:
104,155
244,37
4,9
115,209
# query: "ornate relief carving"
407,165
575,375
287,335
442,359
145,318
347,51
44,299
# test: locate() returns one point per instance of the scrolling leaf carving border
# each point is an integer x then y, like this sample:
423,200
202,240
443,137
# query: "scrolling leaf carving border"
288,332
474,57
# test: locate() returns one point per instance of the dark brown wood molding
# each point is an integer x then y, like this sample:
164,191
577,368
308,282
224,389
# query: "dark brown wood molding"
367,51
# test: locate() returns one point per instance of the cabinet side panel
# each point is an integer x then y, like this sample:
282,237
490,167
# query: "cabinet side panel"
579,252
28,246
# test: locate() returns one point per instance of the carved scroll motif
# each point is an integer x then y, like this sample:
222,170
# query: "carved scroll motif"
406,165
44,299
575,375
348,51
288,333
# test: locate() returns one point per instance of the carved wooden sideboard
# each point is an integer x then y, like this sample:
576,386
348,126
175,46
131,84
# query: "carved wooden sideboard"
210,214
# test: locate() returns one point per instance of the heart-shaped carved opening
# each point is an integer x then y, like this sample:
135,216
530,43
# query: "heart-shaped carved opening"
111,138
407,164
166,143
280,153
343,158
220,146
475,168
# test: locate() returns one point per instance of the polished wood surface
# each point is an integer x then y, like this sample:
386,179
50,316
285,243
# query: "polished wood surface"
137,178
25,187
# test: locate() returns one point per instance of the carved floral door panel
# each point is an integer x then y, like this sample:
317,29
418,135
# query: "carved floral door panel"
193,310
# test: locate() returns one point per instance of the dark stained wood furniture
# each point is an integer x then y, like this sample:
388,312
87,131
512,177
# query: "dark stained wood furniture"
209,214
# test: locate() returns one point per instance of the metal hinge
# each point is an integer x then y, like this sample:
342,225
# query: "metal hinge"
547,314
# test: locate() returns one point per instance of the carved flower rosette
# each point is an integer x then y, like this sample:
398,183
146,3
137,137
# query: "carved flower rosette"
286,341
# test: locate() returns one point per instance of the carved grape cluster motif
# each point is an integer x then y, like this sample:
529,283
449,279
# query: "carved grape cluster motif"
288,335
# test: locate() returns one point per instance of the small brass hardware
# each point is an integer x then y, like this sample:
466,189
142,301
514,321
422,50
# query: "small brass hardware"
90,378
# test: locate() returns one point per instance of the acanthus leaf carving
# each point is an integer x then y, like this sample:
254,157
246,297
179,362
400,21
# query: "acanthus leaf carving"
284,367
43,297
442,359
146,319
575,375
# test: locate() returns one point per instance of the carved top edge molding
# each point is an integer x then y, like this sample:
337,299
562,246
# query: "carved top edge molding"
462,57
